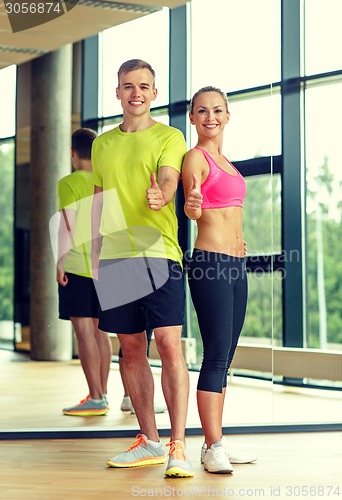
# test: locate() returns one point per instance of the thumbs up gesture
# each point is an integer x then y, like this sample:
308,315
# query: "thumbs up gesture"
194,200
154,195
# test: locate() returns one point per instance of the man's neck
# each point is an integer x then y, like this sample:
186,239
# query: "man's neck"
84,165
136,123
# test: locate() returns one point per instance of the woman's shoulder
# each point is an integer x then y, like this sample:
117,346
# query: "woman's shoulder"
194,161
194,153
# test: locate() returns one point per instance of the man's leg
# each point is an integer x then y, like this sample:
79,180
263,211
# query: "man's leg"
105,351
89,354
140,382
175,378
123,376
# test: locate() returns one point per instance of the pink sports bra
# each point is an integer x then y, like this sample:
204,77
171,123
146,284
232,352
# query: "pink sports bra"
221,189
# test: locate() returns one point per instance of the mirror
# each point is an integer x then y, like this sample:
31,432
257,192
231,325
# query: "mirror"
280,382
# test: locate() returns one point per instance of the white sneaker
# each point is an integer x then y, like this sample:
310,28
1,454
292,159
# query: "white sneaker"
157,409
215,459
234,456
126,404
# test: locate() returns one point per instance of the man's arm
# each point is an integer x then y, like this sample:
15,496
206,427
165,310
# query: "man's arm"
162,192
65,242
96,238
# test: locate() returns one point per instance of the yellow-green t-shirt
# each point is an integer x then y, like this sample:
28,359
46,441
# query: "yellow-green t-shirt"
75,192
122,166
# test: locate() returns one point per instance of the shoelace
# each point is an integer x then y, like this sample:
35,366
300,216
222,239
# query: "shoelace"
177,450
140,440
84,400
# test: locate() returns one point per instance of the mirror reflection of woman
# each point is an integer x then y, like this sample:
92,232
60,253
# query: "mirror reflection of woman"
214,192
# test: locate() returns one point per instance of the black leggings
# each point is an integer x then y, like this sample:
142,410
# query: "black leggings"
218,285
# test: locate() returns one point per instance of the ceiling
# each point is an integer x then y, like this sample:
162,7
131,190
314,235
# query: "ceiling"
81,19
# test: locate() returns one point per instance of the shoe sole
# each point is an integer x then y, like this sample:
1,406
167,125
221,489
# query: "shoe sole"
236,461
86,413
178,472
221,471
242,461
141,463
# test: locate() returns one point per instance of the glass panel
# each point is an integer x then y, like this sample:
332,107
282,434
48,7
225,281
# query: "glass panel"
262,215
8,78
323,209
7,160
145,38
264,309
262,233
254,128
323,36
235,45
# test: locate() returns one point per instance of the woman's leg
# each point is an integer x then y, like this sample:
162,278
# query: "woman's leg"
212,293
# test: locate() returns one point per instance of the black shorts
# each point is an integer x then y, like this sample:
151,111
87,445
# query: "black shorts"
78,298
163,305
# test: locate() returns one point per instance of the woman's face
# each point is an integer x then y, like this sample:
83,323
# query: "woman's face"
209,114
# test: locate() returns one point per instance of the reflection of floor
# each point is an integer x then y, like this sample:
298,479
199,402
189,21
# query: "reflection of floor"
33,394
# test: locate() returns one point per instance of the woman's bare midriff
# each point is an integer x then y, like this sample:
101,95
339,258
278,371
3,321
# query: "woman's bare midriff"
220,230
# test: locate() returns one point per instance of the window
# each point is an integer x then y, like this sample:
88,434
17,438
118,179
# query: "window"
145,38
323,36
7,161
253,129
8,78
235,45
323,211
262,215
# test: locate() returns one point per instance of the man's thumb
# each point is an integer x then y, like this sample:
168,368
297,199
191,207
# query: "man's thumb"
153,179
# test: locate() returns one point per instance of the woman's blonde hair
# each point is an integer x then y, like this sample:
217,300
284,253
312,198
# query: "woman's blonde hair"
209,88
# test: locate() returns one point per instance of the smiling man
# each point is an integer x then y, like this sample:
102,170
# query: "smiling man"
136,261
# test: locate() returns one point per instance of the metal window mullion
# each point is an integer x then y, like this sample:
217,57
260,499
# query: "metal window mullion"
292,181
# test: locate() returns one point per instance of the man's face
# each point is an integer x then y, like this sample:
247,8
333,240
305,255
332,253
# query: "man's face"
136,92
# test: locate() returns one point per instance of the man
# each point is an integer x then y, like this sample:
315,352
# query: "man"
77,295
137,260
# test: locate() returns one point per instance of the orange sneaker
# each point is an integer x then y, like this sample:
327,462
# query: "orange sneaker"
87,408
178,465
141,453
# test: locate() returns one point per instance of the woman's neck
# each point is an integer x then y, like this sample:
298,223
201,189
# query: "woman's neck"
211,146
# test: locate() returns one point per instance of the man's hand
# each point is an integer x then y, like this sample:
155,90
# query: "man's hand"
95,262
195,197
154,195
61,277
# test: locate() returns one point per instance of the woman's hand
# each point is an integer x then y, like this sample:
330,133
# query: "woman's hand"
195,197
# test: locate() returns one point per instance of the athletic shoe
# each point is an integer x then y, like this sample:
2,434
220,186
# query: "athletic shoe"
106,400
126,404
216,460
178,465
87,408
234,456
141,453
157,409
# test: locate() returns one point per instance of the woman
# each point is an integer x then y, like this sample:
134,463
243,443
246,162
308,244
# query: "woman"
214,192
